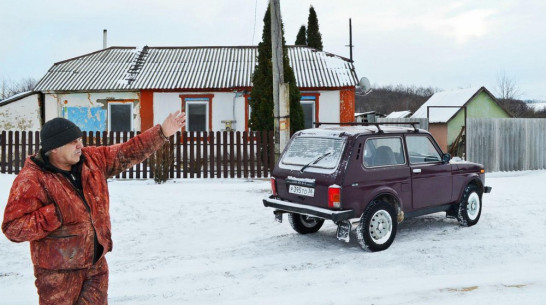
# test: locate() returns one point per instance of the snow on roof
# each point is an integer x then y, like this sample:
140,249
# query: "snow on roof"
455,98
338,131
398,114
15,97
364,113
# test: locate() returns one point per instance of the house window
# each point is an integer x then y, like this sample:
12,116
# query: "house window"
120,116
196,114
198,109
248,112
309,103
308,113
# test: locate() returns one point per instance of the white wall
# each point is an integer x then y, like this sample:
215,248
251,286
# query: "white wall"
329,106
93,106
23,114
223,104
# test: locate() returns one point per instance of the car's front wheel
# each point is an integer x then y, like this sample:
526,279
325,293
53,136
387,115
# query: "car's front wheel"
377,227
304,224
469,209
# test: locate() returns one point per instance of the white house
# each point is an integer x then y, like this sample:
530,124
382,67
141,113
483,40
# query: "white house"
125,88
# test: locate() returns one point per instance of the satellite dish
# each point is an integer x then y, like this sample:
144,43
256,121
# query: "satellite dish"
364,84
363,87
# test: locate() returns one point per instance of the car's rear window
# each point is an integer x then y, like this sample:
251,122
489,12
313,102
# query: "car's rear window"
314,152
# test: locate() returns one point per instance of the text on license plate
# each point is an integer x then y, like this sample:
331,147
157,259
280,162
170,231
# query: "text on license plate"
301,190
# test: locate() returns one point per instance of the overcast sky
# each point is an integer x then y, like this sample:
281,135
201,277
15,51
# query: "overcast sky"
430,43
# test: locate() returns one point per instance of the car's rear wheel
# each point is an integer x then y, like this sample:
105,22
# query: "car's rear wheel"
377,227
469,209
304,224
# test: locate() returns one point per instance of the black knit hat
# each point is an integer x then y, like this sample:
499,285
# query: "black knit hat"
58,132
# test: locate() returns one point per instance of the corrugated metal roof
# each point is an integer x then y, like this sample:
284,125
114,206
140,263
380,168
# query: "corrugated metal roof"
128,68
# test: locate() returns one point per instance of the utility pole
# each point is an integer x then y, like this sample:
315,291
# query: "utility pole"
350,40
281,110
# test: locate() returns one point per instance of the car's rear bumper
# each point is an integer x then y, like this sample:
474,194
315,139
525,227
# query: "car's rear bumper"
291,207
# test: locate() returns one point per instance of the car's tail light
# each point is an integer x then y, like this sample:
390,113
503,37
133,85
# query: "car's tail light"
334,196
274,186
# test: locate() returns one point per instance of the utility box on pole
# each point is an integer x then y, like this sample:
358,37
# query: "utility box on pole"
281,109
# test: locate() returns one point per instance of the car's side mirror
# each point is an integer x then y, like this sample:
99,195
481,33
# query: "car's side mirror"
445,158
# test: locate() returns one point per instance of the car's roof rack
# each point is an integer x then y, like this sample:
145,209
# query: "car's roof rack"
376,124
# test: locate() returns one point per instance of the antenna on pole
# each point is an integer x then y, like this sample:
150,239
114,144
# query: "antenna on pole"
350,40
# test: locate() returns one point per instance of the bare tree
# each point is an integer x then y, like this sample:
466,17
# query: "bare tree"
390,98
507,87
10,88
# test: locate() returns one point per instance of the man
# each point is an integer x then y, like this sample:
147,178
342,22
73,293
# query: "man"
59,202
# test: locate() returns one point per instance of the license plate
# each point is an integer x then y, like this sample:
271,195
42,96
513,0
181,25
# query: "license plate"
301,190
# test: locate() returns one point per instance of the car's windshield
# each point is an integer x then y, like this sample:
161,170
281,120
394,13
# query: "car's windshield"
305,151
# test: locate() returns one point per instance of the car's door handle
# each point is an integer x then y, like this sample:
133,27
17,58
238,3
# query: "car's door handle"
417,171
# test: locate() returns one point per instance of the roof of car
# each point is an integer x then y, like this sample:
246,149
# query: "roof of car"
337,131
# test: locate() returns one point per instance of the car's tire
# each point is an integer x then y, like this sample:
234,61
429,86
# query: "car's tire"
304,224
469,208
377,227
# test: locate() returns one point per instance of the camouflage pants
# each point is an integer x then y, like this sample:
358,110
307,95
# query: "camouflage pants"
73,287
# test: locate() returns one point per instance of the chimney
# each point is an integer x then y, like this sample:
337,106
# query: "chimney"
104,36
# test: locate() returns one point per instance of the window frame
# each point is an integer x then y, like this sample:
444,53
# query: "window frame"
307,97
313,114
403,152
434,145
248,111
188,119
200,98
130,104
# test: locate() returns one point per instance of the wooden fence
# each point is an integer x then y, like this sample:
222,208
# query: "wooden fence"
194,154
507,144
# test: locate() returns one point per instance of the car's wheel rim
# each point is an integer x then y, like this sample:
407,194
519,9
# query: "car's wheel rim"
309,221
381,227
473,206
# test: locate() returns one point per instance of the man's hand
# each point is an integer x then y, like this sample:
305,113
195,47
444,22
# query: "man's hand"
173,123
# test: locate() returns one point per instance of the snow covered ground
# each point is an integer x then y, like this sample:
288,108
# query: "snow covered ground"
212,242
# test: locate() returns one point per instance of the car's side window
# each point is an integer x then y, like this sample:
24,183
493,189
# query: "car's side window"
421,150
383,152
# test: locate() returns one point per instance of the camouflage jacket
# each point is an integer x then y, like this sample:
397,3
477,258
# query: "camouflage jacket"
46,209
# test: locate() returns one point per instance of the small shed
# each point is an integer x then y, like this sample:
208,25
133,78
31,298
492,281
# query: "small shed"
368,117
21,112
447,112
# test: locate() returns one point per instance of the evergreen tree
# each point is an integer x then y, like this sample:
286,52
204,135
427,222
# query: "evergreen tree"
314,38
301,38
261,96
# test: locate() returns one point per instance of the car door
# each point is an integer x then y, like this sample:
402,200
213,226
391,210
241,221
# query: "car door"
431,179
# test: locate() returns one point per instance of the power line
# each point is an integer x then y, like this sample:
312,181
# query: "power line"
254,28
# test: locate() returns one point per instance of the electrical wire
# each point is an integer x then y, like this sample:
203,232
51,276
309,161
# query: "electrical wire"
254,27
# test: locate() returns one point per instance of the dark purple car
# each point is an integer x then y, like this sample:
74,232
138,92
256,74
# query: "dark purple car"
375,175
